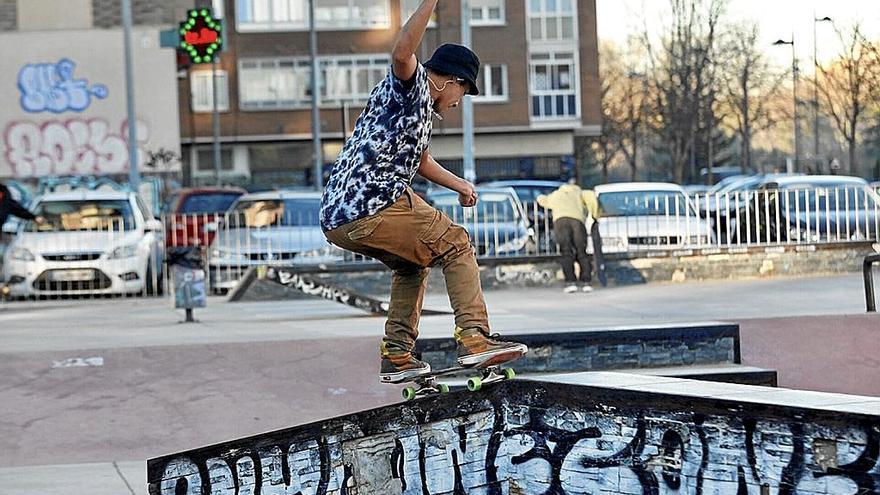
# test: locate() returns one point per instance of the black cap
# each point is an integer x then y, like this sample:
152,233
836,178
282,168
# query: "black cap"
456,60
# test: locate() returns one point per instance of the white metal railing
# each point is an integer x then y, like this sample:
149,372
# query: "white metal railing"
102,260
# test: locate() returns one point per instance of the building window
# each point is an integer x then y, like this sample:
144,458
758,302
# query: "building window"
205,159
293,15
202,91
553,85
274,83
285,83
487,12
408,8
552,20
493,84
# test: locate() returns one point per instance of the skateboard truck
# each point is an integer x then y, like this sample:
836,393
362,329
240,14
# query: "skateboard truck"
427,384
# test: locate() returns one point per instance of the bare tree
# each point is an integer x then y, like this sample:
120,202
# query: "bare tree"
848,86
625,100
683,75
748,83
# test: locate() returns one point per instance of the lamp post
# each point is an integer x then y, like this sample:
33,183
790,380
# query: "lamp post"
794,75
816,20
317,150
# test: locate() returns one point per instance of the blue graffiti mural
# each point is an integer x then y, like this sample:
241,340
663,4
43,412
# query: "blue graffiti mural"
48,87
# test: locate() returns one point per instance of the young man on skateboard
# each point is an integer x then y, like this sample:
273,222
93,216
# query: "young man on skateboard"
368,206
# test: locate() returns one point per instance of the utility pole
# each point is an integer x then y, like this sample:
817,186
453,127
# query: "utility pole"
467,108
794,75
816,94
316,114
133,173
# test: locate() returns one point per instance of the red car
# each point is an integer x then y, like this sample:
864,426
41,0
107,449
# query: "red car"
191,211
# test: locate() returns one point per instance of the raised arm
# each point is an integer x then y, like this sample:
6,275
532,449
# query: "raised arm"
409,39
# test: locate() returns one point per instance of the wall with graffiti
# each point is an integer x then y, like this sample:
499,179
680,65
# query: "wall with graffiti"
63,106
546,439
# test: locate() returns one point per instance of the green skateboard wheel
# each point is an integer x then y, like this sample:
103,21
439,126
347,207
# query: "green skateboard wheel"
474,384
409,393
509,373
443,388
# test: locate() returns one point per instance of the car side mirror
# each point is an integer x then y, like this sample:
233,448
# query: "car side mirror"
153,225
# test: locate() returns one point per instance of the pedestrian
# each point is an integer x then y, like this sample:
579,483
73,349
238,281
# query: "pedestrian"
570,205
9,206
369,207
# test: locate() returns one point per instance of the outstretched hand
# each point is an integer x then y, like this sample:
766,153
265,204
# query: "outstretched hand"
467,194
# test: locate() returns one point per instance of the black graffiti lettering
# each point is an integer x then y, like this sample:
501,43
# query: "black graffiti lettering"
859,470
672,448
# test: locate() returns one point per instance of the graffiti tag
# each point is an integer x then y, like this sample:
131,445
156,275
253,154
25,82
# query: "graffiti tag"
48,87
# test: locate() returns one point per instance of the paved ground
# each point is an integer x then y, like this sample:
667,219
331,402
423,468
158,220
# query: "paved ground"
98,387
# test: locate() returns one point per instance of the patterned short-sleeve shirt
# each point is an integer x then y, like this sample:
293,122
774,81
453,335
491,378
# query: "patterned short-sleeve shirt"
380,159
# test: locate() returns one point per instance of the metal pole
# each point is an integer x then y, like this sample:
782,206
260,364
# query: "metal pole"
815,101
316,114
133,174
794,67
216,121
467,109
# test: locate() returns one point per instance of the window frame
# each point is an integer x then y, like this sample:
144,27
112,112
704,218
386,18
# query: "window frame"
544,15
485,20
222,90
555,58
405,14
486,83
273,25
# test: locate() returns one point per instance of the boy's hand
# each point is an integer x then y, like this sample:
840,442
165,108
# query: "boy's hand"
467,194
40,220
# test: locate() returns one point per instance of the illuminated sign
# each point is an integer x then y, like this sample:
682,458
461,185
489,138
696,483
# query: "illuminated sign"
200,37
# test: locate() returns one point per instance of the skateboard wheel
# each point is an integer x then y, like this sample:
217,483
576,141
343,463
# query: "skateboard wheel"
409,393
474,384
509,373
443,388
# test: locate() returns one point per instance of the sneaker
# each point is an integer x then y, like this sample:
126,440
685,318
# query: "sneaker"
477,348
570,288
401,367
587,288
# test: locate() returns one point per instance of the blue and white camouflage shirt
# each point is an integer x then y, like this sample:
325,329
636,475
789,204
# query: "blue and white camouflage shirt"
383,154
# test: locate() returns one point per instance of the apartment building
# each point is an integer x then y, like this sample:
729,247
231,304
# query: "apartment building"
539,82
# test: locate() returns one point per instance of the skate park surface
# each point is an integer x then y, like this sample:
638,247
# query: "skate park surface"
247,368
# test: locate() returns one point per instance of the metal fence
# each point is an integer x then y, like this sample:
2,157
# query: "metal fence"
112,259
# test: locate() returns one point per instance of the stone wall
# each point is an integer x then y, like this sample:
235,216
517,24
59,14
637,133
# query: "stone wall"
525,437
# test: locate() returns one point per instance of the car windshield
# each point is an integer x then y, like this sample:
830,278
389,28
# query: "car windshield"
296,212
643,203
83,215
207,203
491,207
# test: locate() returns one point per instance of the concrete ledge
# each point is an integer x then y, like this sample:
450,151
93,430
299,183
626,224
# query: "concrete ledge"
611,348
580,433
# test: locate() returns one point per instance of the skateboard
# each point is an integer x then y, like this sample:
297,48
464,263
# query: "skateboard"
427,384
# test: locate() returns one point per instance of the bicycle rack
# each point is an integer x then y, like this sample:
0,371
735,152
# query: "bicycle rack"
870,301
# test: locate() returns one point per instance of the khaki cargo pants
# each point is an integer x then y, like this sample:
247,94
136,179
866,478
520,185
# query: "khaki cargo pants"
410,236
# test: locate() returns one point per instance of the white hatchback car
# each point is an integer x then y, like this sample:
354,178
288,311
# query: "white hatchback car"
638,216
93,242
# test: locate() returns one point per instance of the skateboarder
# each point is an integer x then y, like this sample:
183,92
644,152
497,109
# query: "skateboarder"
570,206
369,207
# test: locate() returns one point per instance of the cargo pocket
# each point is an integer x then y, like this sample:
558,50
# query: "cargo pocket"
434,239
364,228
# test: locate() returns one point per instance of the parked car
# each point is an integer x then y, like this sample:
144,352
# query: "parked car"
191,214
269,228
93,242
649,215
809,208
497,224
528,190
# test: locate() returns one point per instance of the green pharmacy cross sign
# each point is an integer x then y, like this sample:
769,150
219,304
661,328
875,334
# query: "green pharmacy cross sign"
200,36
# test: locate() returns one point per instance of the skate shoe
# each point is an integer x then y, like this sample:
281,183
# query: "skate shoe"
477,348
400,366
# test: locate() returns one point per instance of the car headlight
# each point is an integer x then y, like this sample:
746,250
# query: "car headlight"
324,254
223,254
22,254
511,245
129,251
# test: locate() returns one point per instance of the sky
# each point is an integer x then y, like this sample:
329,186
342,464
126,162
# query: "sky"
777,19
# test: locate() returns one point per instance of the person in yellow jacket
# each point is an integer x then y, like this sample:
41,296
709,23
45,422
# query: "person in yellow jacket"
570,205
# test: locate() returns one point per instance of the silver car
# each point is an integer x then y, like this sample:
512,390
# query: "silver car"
271,228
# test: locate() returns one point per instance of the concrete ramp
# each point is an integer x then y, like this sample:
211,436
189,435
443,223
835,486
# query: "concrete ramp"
580,433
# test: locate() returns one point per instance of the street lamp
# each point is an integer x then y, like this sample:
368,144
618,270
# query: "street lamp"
816,20
794,75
